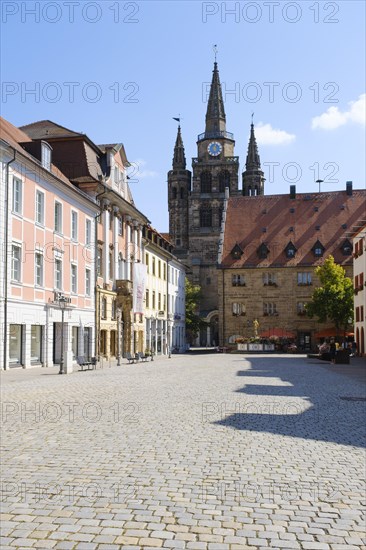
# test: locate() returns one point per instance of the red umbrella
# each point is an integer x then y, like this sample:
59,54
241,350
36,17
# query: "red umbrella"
279,332
328,332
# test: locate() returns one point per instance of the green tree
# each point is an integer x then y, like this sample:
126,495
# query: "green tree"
193,321
333,300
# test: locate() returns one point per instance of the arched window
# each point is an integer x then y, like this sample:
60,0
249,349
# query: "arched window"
206,182
206,217
104,308
224,180
120,266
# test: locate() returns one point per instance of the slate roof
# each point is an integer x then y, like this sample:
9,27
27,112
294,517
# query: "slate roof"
275,220
46,128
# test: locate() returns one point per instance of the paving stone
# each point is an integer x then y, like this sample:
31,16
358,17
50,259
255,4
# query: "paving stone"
188,475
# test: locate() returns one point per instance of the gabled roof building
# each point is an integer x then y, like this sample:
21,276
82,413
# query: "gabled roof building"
270,247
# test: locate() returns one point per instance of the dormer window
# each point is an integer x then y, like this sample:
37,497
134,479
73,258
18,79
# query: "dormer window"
290,250
46,156
263,251
318,249
346,248
236,252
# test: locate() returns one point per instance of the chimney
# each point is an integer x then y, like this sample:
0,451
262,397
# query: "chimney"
349,188
292,191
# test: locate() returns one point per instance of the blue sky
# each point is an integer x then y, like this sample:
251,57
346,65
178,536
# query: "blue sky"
119,71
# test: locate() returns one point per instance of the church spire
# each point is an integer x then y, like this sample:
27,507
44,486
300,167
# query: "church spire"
253,177
179,159
215,115
253,161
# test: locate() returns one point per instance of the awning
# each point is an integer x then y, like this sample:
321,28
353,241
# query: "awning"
328,332
278,332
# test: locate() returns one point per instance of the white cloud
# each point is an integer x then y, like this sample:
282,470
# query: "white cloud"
266,135
138,171
334,118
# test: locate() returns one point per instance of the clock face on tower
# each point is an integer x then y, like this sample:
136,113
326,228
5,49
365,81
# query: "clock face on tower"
214,148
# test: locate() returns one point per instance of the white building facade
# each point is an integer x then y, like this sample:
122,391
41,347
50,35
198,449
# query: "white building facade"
164,297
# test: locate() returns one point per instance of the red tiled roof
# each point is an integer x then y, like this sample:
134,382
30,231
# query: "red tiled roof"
166,236
14,136
276,220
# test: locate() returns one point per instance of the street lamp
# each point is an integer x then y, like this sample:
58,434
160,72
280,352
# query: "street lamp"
62,302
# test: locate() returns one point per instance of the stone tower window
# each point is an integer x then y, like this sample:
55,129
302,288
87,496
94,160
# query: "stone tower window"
206,182
224,180
174,192
206,217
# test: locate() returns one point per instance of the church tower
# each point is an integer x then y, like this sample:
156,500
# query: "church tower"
253,177
214,169
196,201
179,187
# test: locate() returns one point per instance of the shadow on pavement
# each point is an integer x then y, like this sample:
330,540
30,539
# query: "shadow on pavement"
308,402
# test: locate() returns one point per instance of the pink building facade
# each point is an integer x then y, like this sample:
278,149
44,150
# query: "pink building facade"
100,172
47,235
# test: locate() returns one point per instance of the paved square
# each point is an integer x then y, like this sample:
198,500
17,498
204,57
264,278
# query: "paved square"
197,452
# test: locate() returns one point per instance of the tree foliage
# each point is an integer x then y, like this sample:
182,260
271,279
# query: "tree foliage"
333,300
193,321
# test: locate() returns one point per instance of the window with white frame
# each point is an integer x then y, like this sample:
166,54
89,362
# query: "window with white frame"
120,226
88,230
269,279
16,259
304,278
39,269
238,280
74,279
269,308
238,309
17,195
104,308
99,262
58,273
58,217
120,265
111,266
87,282
46,156
40,207
74,225
300,308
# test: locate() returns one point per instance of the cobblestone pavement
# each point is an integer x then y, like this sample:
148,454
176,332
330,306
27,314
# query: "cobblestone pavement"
195,452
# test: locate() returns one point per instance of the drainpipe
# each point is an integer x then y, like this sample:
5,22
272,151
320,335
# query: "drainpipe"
6,254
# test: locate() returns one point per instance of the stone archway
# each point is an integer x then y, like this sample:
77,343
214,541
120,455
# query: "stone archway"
212,329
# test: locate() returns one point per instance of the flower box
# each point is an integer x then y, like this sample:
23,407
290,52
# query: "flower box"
242,347
255,347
